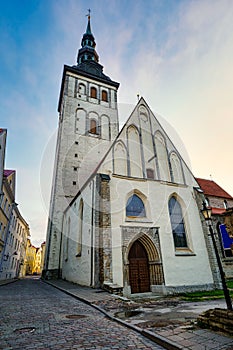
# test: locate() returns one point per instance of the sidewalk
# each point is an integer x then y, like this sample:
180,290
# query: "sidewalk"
177,331
7,281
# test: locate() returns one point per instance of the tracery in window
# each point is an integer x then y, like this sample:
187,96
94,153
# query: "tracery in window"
135,207
177,223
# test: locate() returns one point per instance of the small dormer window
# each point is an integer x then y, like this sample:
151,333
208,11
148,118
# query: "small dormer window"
93,92
225,204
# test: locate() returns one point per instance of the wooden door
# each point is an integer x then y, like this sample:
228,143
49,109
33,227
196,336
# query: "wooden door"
139,277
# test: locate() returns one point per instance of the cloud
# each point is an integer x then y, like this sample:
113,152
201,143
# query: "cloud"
177,55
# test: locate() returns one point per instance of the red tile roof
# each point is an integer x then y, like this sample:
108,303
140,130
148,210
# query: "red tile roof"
210,188
217,211
8,172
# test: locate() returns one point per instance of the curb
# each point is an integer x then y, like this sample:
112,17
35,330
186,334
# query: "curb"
156,338
5,282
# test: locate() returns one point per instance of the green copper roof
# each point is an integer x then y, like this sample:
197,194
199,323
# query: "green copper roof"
88,31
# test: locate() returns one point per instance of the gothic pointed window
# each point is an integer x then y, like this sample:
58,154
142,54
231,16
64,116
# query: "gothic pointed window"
135,207
93,92
177,223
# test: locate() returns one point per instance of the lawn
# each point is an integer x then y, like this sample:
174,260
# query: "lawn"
208,295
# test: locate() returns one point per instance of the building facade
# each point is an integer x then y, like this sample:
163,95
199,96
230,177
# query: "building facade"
123,210
221,204
14,230
34,258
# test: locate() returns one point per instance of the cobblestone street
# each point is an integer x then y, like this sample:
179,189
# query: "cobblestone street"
35,315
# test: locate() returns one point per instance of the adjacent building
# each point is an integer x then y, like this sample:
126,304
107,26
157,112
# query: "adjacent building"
14,230
3,219
221,204
34,258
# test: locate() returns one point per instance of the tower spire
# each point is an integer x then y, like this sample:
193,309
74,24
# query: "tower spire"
88,31
87,51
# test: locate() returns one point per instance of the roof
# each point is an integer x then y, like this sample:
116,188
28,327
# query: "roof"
210,188
217,211
8,172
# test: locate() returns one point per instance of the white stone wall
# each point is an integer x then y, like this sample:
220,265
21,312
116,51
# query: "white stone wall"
77,267
181,267
143,144
78,152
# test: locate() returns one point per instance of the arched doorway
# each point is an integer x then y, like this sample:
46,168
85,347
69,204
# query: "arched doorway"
139,277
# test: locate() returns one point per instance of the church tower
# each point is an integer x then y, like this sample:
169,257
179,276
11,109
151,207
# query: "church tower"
88,123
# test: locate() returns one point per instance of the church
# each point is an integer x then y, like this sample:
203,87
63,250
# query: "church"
124,212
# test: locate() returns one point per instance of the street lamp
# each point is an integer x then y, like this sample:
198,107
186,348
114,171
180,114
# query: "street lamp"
207,215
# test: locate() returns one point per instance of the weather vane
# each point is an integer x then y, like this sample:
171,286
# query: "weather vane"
89,13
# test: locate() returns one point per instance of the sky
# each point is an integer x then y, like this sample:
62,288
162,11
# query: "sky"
177,54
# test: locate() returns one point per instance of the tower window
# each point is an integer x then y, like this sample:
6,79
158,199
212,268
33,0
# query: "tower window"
104,96
93,126
93,92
